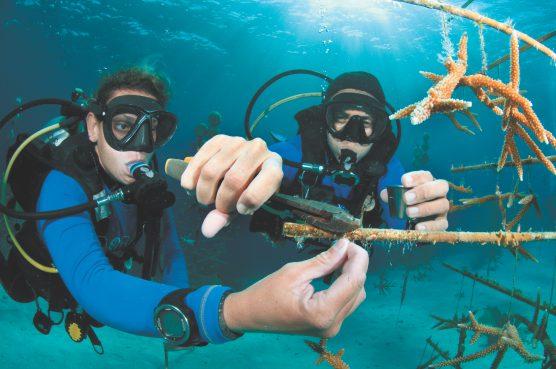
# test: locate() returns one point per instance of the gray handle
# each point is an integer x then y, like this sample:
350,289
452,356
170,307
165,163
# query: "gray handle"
174,168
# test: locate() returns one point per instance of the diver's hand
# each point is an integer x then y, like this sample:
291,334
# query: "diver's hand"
286,302
234,174
427,197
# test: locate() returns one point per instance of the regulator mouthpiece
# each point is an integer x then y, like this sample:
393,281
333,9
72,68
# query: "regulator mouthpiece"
140,169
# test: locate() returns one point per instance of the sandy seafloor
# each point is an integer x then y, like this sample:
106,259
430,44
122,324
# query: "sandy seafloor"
377,335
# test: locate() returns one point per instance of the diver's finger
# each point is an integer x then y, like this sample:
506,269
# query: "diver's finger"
439,224
425,209
349,284
326,262
215,170
351,306
241,174
412,179
426,192
214,222
263,186
190,176
341,316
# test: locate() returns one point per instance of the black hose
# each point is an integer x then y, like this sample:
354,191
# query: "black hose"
74,109
48,214
263,88
34,103
267,84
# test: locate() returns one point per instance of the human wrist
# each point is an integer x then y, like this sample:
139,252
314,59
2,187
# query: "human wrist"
227,332
232,314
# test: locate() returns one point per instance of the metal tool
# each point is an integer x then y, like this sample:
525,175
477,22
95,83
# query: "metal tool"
395,201
318,214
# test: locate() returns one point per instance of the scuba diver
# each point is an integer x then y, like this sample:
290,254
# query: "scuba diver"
204,132
100,244
350,135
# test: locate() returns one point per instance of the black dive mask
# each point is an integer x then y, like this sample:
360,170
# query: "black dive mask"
355,123
135,123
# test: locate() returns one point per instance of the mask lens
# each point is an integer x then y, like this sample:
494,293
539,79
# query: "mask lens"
339,115
164,126
122,124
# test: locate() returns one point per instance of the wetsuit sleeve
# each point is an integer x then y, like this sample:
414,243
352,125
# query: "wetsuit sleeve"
290,150
174,267
113,298
392,177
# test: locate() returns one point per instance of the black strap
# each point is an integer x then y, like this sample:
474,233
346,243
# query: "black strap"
95,342
177,299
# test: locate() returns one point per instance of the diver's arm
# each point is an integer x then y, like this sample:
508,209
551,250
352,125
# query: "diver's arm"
113,298
174,269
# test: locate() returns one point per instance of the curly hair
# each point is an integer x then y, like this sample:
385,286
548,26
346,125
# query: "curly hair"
134,78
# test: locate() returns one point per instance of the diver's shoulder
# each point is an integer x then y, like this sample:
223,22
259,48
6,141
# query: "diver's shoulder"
288,147
290,150
57,181
395,164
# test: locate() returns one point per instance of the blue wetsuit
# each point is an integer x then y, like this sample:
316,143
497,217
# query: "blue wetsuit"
291,149
119,300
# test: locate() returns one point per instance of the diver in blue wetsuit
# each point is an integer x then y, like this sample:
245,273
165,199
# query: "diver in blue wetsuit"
350,134
98,252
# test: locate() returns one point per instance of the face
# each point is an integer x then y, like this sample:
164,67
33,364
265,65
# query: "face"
112,161
341,119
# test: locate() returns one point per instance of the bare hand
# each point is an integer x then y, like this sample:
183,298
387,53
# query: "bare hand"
426,198
286,302
234,174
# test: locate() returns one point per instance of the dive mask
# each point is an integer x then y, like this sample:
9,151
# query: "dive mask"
356,118
135,123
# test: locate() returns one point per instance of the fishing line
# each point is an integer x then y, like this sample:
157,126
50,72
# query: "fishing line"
472,295
514,278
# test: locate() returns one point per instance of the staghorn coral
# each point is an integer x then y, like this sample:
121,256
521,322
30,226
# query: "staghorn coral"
500,238
445,354
517,111
335,360
542,336
443,323
551,309
528,161
525,200
461,189
383,286
439,97
508,337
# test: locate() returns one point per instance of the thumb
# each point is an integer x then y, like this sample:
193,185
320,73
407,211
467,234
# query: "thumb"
328,261
214,222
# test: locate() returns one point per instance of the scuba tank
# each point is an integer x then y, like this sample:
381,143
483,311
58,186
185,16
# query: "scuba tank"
28,273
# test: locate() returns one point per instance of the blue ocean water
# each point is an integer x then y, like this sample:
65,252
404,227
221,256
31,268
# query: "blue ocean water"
215,54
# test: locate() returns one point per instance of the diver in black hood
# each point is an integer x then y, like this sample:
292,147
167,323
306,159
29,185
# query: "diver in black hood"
350,134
